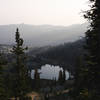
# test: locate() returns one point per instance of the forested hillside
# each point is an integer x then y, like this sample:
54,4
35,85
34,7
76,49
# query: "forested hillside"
64,55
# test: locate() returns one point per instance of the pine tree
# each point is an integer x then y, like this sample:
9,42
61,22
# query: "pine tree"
21,73
37,79
90,86
3,93
60,77
80,89
93,47
64,76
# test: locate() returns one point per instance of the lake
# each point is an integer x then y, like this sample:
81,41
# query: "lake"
49,72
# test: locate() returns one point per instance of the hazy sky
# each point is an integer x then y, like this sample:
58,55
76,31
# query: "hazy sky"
54,12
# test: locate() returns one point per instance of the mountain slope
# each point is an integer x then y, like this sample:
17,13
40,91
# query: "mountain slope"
64,55
42,35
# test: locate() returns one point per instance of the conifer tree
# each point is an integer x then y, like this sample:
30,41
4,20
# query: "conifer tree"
64,76
37,79
3,93
93,47
80,78
90,88
21,73
60,77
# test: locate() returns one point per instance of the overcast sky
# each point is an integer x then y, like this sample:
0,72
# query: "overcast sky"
36,12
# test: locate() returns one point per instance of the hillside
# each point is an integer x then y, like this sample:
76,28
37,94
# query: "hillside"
42,35
64,55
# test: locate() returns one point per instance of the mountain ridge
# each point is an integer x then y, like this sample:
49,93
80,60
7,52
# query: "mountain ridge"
42,35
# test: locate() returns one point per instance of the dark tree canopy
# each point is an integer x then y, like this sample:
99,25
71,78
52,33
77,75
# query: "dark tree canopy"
21,72
90,89
3,93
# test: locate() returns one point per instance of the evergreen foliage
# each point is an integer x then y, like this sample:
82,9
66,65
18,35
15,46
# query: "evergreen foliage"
60,77
93,47
80,79
3,93
89,76
21,85
64,76
37,79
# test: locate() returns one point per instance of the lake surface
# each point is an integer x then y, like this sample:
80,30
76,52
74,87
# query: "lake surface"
50,72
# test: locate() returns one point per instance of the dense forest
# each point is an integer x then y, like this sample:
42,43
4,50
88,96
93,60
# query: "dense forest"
15,76
82,58
64,55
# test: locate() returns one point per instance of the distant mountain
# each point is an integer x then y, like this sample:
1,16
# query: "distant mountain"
42,35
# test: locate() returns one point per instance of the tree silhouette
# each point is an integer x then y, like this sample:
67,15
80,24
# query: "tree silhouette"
3,93
90,86
37,79
93,47
21,72
64,75
60,77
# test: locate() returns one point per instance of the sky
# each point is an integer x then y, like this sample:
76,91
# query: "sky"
38,12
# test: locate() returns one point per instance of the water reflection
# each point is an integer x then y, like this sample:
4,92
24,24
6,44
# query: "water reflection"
50,72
